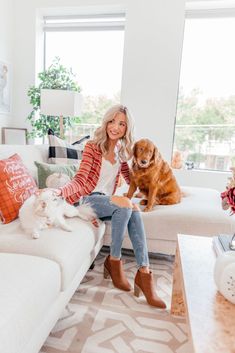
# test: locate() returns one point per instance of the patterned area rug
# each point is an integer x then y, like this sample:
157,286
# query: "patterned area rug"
102,319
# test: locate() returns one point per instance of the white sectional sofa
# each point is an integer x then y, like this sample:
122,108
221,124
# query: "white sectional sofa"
199,213
38,277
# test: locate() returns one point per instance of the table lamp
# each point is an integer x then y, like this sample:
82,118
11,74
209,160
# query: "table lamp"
62,103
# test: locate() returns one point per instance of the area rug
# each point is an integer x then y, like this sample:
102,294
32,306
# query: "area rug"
102,319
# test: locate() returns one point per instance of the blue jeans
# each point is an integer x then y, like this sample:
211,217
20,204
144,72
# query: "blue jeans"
121,218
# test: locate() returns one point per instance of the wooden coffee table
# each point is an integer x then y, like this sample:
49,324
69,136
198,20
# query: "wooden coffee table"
211,318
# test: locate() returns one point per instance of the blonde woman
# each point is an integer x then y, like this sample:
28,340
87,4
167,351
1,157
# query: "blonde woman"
104,158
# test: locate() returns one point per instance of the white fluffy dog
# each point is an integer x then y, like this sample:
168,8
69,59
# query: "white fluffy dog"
44,209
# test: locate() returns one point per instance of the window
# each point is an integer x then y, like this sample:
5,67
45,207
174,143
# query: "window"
205,121
92,45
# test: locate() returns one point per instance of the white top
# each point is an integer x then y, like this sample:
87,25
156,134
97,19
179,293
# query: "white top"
108,174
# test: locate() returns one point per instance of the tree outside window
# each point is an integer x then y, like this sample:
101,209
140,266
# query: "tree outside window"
96,59
205,122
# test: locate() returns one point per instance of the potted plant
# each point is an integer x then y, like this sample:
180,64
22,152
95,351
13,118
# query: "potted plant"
55,77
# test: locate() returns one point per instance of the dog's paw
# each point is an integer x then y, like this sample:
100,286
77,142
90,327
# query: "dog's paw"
129,196
35,235
65,226
68,229
49,223
147,209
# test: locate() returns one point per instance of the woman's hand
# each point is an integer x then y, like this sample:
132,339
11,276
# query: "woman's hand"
57,192
136,207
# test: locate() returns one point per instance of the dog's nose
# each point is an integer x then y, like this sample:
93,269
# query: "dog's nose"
144,161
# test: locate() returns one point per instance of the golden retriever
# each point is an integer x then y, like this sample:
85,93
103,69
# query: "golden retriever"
153,176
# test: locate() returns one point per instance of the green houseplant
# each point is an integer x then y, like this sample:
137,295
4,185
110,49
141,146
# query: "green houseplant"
55,77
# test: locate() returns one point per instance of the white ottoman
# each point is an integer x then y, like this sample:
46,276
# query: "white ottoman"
29,286
199,213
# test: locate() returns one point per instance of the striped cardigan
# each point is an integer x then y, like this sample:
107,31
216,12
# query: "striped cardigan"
87,176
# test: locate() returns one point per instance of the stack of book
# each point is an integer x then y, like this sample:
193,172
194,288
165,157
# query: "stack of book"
222,243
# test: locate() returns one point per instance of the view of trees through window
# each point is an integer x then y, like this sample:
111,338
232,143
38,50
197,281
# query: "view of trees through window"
95,57
205,122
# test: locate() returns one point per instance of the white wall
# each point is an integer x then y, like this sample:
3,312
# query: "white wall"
6,47
151,64
151,68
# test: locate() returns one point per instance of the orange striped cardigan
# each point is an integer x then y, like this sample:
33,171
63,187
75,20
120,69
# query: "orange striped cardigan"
87,176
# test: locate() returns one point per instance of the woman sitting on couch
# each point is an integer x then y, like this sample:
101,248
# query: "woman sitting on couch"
103,159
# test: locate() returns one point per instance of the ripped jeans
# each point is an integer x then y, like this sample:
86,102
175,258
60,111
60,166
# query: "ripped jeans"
121,218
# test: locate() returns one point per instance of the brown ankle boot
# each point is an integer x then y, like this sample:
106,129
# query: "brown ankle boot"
144,282
113,269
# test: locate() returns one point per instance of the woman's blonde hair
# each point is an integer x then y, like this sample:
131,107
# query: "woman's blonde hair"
126,143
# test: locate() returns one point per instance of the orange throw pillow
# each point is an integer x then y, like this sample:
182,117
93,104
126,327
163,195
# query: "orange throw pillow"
16,185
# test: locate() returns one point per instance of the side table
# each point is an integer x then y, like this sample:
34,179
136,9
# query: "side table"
210,317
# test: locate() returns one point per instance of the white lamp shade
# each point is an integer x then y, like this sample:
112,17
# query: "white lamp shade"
57,102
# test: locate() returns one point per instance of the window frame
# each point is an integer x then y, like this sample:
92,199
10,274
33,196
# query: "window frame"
202,10
82,22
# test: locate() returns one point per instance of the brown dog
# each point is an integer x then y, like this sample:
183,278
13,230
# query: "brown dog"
153,176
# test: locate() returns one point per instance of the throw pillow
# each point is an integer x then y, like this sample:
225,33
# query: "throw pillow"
46,169
61,152
16,186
